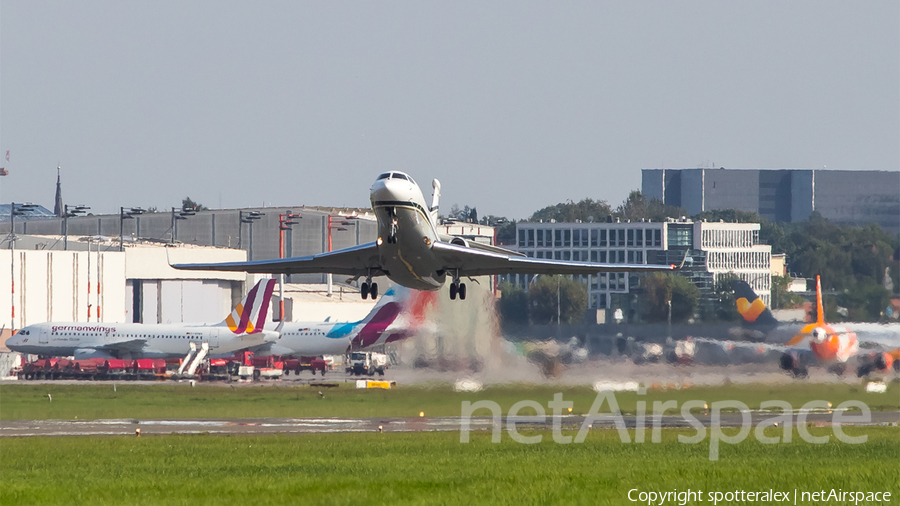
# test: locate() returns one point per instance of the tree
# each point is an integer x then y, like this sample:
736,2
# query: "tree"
781,297
187,204
659,288
549,292
637,207
728,216
513,304
587,210
466,214
726,303
865,302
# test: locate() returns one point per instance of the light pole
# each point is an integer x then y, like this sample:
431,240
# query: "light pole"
126,215
182,215
284,223
17,210
14,210
332,225
247,217
70,212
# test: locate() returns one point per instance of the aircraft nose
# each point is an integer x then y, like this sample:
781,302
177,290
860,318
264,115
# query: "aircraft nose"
15,339
387,189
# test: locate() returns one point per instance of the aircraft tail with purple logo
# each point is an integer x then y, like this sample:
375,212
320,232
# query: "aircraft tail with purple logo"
249,316
386,322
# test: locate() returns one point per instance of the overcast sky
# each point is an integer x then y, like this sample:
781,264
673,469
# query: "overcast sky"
512,105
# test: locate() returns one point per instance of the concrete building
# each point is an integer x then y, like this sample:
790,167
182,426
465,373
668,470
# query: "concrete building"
257,234
102,284
852,197
714,249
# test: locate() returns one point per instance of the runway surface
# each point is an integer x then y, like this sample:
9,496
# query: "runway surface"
259,426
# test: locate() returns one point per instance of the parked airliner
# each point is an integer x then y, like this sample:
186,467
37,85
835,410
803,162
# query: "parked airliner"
411,252
829,345
385,323
241,329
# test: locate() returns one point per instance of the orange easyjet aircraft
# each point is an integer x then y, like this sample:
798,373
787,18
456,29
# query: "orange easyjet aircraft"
832,345
829,345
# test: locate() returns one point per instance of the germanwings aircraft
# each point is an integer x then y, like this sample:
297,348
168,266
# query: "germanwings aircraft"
384,324
410,251
829,345
241,329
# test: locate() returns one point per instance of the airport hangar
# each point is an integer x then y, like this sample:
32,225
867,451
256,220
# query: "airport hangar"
57,263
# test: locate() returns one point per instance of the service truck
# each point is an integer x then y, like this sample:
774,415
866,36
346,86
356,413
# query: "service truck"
367,363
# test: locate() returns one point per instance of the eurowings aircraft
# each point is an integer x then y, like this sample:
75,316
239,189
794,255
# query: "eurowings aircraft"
829,345
241,329
410,251
384,324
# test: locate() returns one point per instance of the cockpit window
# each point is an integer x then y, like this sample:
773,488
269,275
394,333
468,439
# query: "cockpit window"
398,175
384,176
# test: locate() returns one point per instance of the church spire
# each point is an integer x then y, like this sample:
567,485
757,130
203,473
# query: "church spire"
58,208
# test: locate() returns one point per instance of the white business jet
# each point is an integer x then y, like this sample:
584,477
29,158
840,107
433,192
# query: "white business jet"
410,251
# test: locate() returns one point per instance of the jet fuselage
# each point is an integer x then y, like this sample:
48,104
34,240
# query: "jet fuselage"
404,216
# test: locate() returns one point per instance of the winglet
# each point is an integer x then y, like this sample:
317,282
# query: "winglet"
680,266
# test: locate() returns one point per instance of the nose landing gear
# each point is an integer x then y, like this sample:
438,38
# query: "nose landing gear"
392,237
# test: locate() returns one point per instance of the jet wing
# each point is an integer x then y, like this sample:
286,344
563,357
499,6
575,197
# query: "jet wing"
354,261
479,262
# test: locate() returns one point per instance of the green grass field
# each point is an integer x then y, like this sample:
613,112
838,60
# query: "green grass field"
30,401
423,468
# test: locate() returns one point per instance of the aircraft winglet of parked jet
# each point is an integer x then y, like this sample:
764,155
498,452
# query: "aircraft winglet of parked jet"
410,251
239,330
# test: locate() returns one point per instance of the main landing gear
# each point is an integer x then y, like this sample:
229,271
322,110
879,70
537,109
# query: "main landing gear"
368,287
457,288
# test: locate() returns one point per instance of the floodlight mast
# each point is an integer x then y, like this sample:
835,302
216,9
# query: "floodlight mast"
247,217
126,214
285,221
14,209
339,226
70,212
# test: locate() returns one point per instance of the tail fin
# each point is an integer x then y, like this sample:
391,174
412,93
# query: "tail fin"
372,329
249,316
435,200
752,309
820,309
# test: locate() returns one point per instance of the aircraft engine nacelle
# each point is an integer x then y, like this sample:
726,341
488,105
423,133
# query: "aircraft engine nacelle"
459,241
883,361
86,353
788,361
819,334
